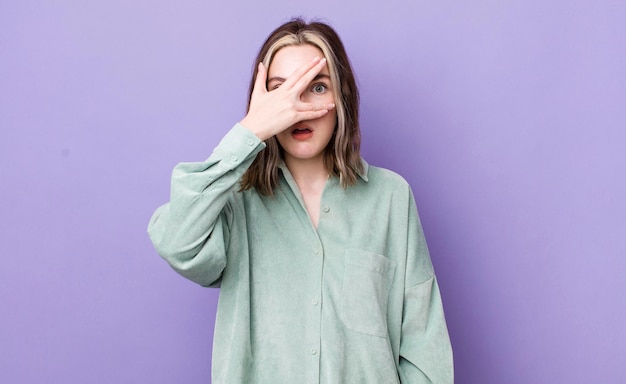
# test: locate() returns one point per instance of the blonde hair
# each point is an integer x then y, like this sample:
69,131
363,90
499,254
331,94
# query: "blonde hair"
342,155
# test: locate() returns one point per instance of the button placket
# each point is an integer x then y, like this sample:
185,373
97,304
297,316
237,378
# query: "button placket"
315,309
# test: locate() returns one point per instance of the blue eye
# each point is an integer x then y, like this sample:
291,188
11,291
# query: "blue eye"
319,88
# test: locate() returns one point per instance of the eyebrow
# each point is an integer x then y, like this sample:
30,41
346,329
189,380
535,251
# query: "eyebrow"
282,79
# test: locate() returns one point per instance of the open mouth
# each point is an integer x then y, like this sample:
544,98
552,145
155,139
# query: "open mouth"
301,133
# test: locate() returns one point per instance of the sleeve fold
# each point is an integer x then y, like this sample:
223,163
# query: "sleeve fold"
425,349
191,231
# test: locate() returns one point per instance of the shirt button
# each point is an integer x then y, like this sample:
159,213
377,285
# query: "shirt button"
233,158
316,251
326,209
250,142
315,302
313,351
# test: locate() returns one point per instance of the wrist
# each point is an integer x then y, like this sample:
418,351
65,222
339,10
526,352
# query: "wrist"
254,128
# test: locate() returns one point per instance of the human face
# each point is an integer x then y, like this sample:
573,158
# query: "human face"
305,140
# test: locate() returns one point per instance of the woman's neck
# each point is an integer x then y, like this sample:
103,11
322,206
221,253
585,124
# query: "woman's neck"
310,176
309,173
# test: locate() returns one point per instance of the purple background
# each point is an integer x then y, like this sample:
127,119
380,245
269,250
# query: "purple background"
507,118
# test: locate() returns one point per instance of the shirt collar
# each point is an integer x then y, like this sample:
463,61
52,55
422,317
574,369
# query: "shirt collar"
366,168
362,174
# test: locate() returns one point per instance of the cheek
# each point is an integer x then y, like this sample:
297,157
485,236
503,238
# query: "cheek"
329,97
283,136
329,121
332,116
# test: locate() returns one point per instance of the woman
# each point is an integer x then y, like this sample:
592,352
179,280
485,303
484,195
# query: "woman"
323,268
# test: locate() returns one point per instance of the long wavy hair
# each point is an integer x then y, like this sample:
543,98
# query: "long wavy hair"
342,155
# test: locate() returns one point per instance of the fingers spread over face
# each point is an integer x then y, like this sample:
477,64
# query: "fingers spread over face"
310,75
315,106
312,115
304,72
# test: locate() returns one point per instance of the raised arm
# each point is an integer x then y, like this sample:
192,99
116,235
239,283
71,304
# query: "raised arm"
191,232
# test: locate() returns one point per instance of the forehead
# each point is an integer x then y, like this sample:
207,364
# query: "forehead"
292,57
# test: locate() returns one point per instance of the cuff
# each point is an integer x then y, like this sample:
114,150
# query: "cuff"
238,145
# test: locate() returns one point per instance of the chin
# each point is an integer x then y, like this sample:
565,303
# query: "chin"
304,155
302,152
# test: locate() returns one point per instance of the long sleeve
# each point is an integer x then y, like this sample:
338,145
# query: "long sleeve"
425,349
191,232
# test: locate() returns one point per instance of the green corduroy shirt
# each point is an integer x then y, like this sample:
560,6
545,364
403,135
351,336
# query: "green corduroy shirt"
353,301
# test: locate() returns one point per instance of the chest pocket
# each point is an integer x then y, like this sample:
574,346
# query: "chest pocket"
365,292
